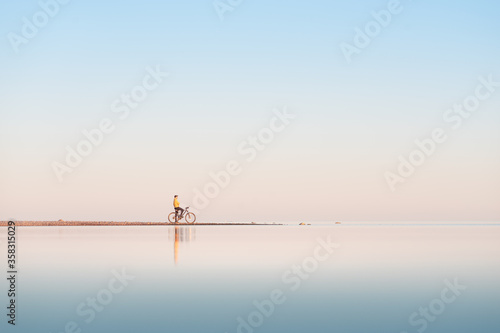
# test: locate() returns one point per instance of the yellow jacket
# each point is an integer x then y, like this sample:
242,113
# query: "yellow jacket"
176,203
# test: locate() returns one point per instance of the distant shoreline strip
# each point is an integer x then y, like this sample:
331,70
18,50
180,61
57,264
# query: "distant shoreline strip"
112,223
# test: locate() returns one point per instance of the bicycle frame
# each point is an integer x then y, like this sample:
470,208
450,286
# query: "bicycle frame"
186,210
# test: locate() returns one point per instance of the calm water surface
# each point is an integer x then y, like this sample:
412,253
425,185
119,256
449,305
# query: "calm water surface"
341,278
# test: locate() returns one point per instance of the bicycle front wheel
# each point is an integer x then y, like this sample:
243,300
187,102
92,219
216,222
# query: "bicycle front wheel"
190,218
171,217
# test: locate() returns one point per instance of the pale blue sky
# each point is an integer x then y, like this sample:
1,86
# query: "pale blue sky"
353,120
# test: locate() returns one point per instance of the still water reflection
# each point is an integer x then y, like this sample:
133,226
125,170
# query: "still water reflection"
180,234
257,279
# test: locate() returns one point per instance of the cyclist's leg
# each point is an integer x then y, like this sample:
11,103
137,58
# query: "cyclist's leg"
182,212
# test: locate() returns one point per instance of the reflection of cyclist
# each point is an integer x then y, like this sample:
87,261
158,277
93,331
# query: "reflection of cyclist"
178,210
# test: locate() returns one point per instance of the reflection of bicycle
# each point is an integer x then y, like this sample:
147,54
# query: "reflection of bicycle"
190,217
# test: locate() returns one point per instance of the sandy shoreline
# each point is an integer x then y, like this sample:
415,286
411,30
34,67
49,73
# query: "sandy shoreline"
109,223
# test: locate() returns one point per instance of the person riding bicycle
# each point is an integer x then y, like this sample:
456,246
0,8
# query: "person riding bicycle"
178,210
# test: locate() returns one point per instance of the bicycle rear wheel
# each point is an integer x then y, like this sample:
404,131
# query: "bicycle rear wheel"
171,217
190,218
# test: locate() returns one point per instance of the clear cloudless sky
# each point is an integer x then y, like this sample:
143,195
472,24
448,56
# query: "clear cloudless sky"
352,120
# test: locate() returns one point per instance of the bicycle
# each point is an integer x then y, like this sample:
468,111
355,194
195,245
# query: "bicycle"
190,217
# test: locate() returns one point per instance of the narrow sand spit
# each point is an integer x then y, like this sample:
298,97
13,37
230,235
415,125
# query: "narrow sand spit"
110,223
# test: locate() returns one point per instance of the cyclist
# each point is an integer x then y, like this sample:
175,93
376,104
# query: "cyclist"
177,208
